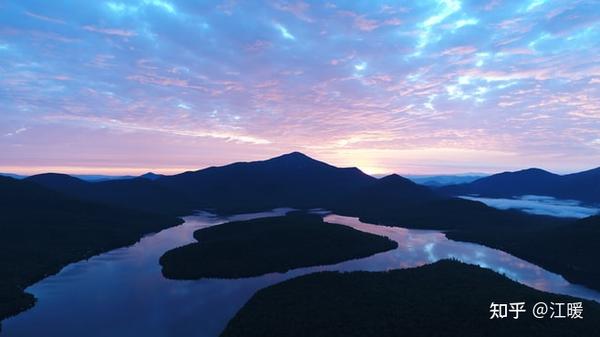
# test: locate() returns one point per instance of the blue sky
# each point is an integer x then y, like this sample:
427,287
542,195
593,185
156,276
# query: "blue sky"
407,86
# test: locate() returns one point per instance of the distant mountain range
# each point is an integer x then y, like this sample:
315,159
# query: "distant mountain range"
278,176
86,177
290,180
293,180
583,186
445,179
135,193
428,180
151,176
296,180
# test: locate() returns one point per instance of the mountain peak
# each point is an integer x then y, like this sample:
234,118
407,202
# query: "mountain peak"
150,176
397,181
394,178
54,177
533,170
56,180
294,158
294,155
530,172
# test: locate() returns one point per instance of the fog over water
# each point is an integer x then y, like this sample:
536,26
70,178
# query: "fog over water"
542,205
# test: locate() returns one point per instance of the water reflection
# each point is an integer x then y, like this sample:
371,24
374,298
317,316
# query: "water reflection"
417,247
124,291
541,205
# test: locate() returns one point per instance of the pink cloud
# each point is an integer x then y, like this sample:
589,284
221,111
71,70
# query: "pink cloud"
368,25
258,46
365,24
492,4
164,81
298,9
110,31
461,50
62,78
45,18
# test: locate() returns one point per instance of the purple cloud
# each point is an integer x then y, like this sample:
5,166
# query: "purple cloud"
435,86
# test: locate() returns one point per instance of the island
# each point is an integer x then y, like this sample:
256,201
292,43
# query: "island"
275,244
447,298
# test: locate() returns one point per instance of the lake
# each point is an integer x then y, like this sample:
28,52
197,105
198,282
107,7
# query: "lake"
123,290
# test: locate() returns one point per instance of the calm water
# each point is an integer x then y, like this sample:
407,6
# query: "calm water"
123,290
542,205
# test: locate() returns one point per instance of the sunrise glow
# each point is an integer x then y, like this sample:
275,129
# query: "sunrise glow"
125,87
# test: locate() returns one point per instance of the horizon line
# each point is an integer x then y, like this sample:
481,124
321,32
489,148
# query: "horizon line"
120,171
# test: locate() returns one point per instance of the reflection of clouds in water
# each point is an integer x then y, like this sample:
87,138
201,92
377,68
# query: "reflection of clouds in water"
419,247
250,216
429,250
541,205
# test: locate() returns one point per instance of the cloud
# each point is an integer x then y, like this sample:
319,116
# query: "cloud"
534,4
361,77
16,132
128,126
460,50
45,18
361,22
298,9
360,66
284,32
258,46
110,31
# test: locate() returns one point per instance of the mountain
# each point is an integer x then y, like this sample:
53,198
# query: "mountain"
396,187
387,195
11,175
86,177
59,181
292,179
583,186
397,201
136,193
444,180
43,230
99,177
151,176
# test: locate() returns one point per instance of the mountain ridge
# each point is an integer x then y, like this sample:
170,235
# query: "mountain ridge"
583,186
293,179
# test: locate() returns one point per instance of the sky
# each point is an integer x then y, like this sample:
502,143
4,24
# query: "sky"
420,87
